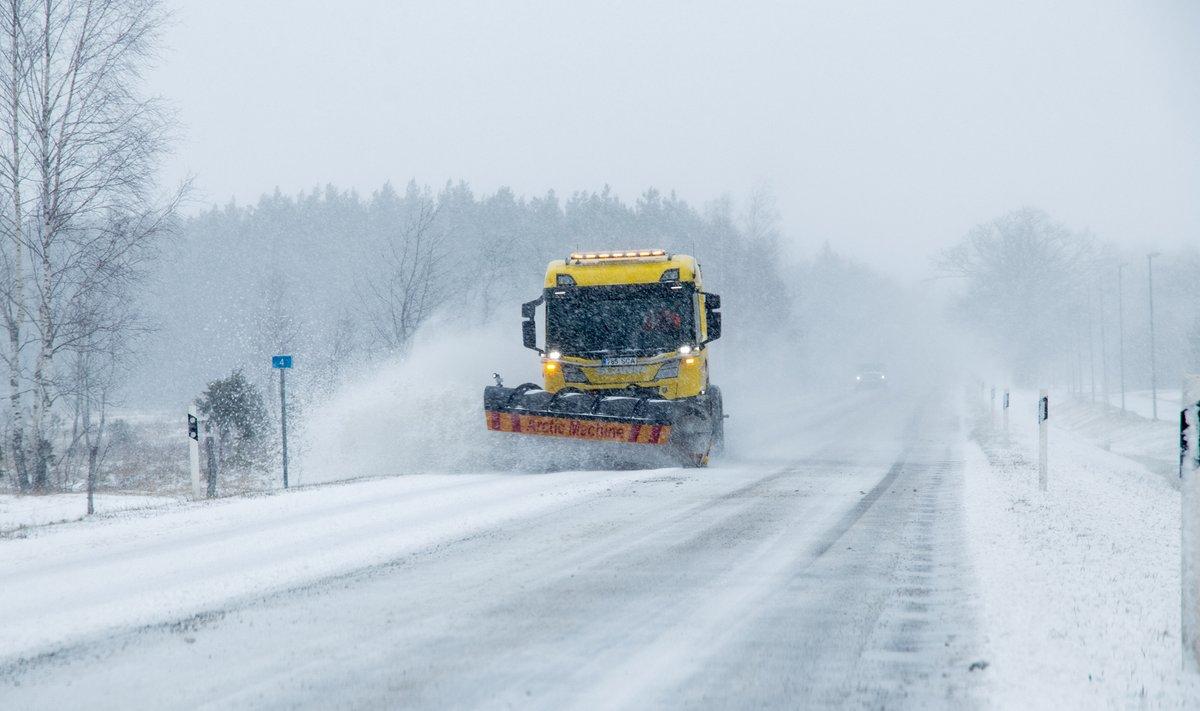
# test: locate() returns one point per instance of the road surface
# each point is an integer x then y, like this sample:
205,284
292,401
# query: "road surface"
833,576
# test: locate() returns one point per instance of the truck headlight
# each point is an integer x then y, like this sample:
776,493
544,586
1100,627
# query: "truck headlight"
670,369
685,349
573,373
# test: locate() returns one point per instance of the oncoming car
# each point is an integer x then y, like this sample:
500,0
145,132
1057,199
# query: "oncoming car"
870,375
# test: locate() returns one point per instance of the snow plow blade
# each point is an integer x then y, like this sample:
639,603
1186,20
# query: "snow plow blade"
684,431
578,415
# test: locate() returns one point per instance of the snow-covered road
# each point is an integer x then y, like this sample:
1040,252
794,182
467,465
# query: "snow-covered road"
836,576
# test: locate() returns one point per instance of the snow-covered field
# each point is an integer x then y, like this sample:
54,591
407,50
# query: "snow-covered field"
17,512
1141,402
73,581
1154,444
1079,584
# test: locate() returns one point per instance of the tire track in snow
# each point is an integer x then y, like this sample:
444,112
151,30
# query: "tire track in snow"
704,630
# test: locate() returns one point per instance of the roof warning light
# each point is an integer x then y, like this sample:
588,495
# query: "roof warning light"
634,254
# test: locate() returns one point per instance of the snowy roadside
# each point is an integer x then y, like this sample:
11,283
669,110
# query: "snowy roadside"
63,584
19,512
1153,444
1141,402
1079,584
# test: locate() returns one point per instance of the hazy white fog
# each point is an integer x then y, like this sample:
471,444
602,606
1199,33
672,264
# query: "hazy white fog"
886,128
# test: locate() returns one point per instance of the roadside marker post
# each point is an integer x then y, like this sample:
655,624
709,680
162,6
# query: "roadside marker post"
1043,415
283,363
1005,414
210,457
1189,543
194,450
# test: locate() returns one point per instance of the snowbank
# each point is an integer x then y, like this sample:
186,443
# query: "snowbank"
24,511
1080,584
67,583
1153,444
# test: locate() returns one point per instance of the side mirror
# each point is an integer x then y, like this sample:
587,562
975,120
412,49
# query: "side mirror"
529,326
712,317
529,333
714,325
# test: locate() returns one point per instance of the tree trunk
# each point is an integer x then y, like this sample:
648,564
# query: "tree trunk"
17,309
41,445
16,412
42,363
211,457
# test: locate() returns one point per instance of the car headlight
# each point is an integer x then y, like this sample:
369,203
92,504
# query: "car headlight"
670,369
573,373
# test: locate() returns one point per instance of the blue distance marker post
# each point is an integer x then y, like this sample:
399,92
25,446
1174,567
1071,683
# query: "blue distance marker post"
1005,414
283,363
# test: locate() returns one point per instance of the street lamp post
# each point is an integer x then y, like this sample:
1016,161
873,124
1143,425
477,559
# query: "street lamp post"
1091,349
1103,350
1153,369
1121,332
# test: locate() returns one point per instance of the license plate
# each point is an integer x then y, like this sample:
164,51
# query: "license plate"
619,361
621,370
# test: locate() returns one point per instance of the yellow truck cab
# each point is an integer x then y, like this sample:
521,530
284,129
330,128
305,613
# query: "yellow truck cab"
625,357
637,319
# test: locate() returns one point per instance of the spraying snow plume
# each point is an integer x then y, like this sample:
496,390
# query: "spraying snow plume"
414,414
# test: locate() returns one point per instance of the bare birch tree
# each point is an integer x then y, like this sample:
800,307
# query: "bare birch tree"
78,217
96,146
16,18
405,285
1025,280
95,372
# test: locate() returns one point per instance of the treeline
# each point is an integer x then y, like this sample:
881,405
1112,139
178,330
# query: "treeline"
1060,306
339,279
346,282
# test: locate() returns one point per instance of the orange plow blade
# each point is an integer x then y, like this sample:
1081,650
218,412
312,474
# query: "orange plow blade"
588,428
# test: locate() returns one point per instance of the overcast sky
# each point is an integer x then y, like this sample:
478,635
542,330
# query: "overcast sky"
886,128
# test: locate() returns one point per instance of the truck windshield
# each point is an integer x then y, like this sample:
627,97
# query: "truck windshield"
635,319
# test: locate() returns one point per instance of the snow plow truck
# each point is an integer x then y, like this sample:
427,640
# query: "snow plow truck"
625,360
